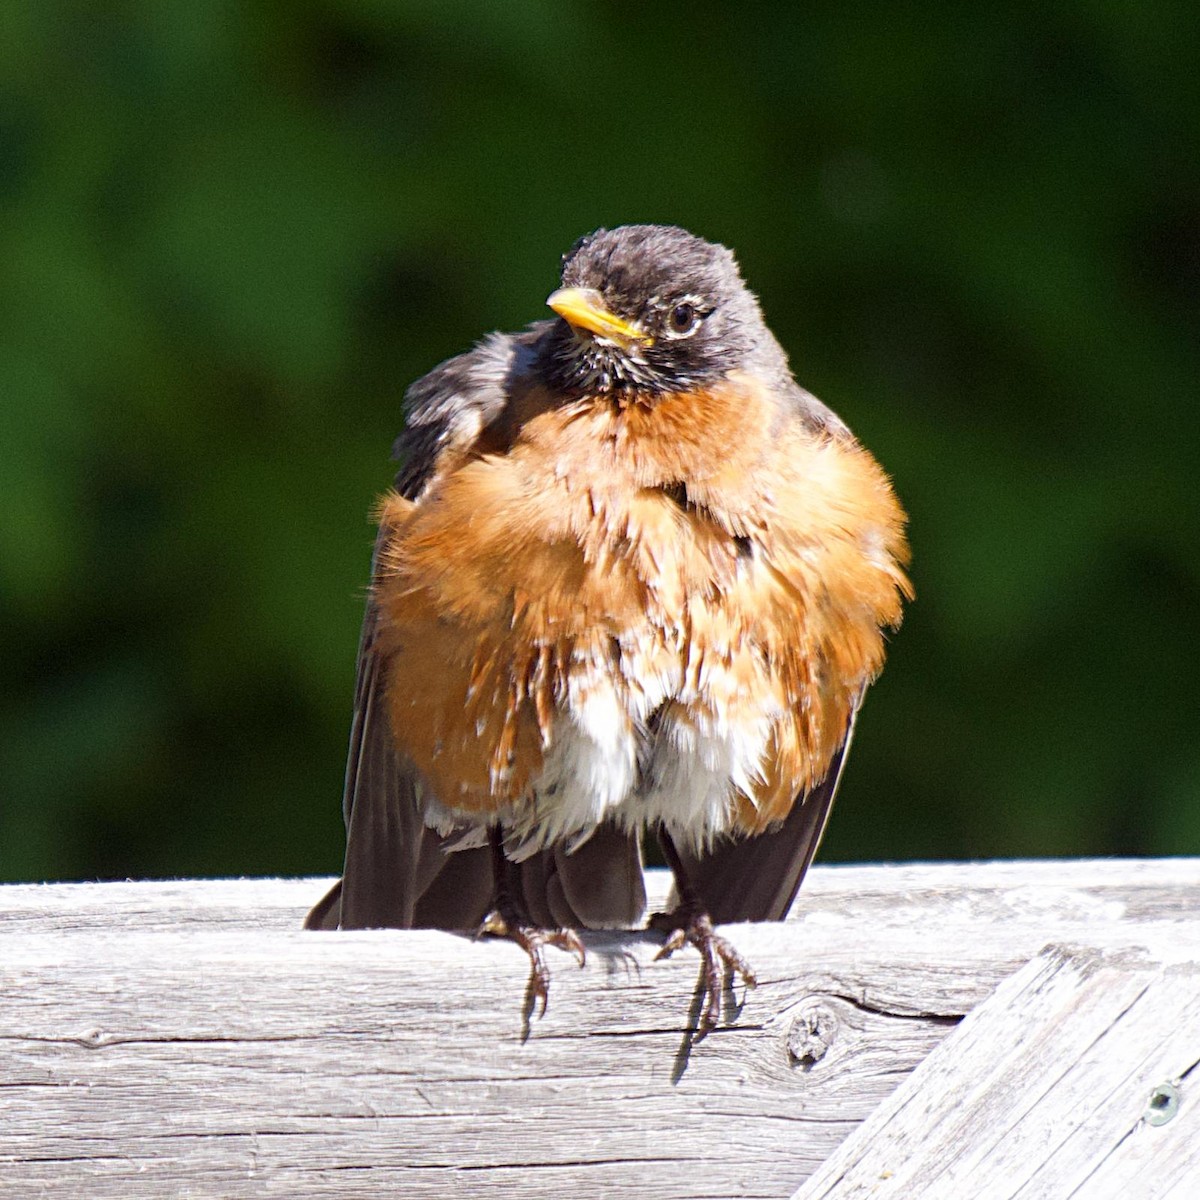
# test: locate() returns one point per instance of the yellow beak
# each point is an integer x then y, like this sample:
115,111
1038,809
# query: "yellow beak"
584,309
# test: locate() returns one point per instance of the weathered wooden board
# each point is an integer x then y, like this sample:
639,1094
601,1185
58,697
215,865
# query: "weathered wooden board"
187,1039
1086,890
1045,1090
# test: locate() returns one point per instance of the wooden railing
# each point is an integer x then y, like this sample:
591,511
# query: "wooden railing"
188,1039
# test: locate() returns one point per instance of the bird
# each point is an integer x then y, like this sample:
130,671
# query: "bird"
632,581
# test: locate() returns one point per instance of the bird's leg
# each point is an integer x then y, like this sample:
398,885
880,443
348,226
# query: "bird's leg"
689,922
507,918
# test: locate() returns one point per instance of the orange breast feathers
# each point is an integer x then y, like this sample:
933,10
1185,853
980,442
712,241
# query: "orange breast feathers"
702,570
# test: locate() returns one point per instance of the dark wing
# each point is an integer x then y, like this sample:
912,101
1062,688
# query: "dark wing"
399,873
757,878
392,859
450,407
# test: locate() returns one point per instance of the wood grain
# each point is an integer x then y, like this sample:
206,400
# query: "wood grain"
1044,1091
187,1039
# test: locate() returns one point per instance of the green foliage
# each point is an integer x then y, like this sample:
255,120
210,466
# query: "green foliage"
231,234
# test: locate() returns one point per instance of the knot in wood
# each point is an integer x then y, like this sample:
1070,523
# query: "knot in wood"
813,1030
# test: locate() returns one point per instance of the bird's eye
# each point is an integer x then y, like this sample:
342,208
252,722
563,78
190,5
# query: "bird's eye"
683,319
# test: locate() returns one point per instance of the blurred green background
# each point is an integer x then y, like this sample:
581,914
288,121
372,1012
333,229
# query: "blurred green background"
231,233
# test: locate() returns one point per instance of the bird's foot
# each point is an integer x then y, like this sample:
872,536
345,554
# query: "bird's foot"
532,940
687,924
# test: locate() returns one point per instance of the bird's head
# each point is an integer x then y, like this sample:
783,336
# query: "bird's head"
651,309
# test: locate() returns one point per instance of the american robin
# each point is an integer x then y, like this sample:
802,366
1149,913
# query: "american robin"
631,577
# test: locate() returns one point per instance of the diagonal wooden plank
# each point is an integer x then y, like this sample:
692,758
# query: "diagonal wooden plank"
1125,1147
1040,1092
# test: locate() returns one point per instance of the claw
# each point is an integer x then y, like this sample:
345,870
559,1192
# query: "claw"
719,957
508,918
532,939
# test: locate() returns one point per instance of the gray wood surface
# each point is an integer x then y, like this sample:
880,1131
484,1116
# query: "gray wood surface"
187,1039
1077,1078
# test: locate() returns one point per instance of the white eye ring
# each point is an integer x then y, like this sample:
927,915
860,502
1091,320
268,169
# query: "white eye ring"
684,317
